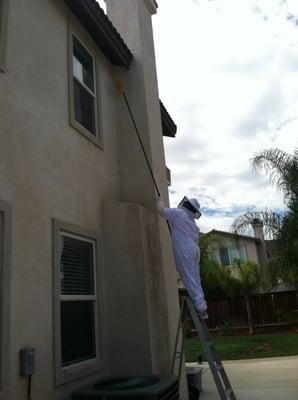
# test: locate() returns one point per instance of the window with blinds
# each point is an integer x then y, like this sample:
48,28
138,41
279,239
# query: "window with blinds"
78,299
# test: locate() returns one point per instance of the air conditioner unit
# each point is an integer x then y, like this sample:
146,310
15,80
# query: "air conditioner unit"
153,387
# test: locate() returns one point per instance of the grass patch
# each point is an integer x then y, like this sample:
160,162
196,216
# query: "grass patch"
246,347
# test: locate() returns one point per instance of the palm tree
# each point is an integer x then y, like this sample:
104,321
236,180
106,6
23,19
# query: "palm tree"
282,169
249,276
270,220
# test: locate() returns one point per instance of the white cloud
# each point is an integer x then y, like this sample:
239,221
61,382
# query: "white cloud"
228,76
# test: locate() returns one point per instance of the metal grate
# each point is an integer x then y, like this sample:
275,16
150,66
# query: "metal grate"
171,393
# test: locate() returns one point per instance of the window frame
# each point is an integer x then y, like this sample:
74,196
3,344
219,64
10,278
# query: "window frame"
3,33
5,226
217,254
97,137
69,373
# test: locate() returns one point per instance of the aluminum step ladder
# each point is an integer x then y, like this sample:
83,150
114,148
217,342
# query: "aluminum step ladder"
220,377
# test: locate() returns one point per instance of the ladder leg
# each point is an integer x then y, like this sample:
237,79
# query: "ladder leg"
216,358
218,372
179,329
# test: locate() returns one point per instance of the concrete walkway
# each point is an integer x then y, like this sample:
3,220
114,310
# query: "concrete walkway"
259,379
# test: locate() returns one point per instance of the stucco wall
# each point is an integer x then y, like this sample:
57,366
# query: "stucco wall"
50,170
135,297
139,37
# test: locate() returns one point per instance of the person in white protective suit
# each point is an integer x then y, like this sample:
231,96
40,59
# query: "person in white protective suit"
185,235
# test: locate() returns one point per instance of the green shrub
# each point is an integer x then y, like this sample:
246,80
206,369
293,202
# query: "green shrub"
294,314
280,315
225,329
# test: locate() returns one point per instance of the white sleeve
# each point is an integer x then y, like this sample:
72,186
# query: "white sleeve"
170,214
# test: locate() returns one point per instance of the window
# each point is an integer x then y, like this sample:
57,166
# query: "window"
3,33
83,90
226,256
233,254
242,253
78,300
5,232
77,308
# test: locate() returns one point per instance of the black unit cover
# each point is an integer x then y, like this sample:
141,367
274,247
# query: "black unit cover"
152,387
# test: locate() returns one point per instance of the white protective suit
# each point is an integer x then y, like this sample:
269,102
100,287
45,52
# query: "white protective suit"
185,235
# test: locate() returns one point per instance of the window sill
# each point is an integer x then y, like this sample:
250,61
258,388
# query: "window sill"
79,371
80,128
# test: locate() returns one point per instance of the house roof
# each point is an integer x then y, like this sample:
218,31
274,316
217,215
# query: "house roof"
235,235
169,128
103,32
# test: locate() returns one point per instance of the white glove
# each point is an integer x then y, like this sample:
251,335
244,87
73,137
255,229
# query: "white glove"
160,204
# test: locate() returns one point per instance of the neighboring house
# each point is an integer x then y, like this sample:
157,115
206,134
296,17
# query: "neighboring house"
86,265
237,246
256,249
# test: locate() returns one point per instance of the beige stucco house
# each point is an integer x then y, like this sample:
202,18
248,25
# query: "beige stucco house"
238,246
231,245
87,277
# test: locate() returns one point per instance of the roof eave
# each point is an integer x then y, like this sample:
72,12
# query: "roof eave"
102,31
169,128
236,235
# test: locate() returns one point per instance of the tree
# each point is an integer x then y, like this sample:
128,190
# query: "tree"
217,280
270,220
222,281
282,169
285,263
250,277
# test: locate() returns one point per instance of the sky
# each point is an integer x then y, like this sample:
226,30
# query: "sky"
228,75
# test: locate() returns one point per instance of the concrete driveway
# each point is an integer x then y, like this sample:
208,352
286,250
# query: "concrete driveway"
259,379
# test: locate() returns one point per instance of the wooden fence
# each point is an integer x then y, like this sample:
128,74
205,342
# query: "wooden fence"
267,309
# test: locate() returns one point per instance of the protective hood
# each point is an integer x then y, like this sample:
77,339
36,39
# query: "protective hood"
191,205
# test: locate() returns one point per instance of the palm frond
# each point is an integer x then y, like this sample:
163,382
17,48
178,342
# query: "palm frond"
281,167
271,222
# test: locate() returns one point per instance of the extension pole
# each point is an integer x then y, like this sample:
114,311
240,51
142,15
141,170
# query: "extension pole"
121,90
